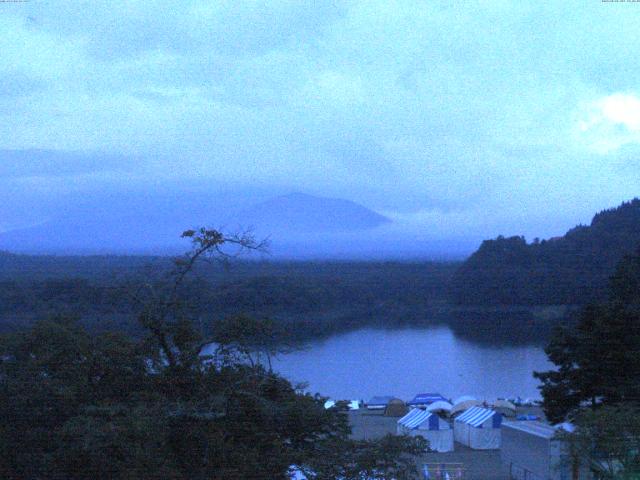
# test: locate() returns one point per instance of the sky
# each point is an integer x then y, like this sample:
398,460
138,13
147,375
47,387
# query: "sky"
454,119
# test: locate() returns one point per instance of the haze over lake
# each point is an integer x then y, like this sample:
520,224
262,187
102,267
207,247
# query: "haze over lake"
368,362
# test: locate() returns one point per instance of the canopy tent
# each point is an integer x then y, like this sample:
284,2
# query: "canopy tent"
424,399
505,407
478,428
379,403
395,408
440,406
429,426
459,407
464,398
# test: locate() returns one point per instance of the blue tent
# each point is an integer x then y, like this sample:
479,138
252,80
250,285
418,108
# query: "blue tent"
426,399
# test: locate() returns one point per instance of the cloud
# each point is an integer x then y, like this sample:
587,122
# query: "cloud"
406,106
44,164
611,122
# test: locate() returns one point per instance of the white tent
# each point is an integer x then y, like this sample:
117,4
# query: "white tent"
478,428
505,407
464,405
429,426
440,406
464,398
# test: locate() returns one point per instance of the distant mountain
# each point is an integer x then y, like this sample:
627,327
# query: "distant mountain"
301,213
573,269
120,221
151,222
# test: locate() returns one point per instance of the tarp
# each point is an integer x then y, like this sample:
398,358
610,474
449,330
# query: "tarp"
478,428
429,426
426,399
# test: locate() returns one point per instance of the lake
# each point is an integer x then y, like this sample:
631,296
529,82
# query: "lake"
368,362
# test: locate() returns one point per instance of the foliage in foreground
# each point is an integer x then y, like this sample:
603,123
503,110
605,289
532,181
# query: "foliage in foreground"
607,440
597,381
597,360
84,407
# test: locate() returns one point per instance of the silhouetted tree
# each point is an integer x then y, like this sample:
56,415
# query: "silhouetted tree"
80,406
597,360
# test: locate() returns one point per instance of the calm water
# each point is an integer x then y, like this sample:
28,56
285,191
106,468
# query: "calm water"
364,363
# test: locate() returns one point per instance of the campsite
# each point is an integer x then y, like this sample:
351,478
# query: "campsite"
466,452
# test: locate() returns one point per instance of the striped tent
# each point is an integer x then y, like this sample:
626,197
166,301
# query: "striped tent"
478,428
429,426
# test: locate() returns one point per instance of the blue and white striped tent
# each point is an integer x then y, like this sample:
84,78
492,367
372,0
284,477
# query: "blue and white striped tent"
478,428
429,426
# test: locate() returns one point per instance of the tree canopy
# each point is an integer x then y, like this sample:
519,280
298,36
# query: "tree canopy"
570,270
597,359
77,405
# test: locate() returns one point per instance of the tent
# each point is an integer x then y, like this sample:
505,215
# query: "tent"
429,426
533,450
440,406
379,403
505,407
395,408
424,399
478,428
459,407
464,398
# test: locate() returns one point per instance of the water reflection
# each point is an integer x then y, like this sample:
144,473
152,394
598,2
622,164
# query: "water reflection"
370,362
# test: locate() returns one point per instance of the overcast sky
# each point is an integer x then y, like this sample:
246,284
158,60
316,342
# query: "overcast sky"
481,116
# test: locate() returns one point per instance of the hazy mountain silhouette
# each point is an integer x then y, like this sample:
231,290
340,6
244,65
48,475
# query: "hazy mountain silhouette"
151,222
302,213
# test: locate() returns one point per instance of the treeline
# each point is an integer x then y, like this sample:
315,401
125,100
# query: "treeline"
571,270
309,299
85,406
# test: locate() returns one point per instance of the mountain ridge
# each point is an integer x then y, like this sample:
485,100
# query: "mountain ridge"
572,269
113,225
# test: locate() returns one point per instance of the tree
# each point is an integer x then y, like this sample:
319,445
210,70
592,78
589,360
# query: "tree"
55,377
607,440
597,359
108,406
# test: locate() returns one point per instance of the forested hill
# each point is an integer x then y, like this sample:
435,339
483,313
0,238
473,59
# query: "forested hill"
573,269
